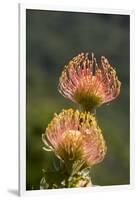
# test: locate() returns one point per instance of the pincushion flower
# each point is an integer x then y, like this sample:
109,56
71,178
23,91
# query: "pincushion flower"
75,136
87,83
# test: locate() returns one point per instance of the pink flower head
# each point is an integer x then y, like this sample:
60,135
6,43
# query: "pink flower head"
87,83
75,136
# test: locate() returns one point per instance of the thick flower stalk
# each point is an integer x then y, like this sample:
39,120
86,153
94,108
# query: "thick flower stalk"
87,83
75,138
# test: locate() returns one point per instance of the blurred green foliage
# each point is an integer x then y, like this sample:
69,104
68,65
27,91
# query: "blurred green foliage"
52,39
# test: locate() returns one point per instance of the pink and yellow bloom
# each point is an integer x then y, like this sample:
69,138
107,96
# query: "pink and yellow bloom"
87,83
75,136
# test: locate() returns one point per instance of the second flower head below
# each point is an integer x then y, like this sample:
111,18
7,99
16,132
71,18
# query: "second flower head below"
75,137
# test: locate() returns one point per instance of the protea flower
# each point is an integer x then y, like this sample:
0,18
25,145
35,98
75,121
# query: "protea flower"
87,83
75,138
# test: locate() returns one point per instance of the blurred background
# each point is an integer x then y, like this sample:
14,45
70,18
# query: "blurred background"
52,39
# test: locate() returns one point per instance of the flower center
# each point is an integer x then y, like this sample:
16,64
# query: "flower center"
70,147
88,101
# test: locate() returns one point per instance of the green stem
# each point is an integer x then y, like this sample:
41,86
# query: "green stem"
66,182
85,109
